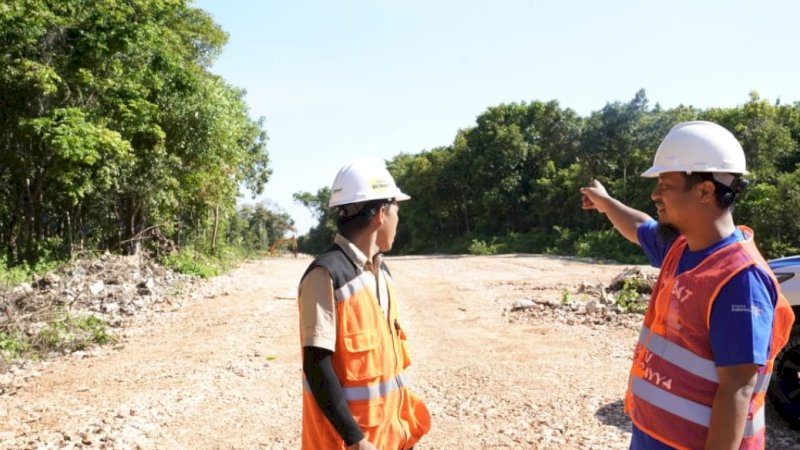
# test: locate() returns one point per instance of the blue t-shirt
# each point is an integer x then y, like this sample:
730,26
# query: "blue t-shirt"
741,317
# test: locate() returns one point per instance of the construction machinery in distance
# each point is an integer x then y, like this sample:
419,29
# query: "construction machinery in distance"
280,243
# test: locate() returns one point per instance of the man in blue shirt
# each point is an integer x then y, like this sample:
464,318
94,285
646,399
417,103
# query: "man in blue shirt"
699,166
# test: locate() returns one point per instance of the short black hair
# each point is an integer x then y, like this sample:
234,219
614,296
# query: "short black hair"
725,195
354,217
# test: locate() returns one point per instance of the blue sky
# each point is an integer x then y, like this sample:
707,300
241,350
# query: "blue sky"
341,79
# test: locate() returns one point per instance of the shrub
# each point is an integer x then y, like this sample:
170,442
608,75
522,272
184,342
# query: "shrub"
191,262
629,297
67,333
608,245
12,347
480,247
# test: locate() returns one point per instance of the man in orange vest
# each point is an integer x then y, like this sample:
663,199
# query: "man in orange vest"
356,393
716,318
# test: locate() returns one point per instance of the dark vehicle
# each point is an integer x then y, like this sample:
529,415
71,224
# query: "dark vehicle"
784,389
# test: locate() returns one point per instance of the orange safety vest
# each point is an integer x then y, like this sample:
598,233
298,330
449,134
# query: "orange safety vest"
673,378
369,361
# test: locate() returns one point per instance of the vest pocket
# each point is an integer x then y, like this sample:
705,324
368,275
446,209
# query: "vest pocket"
362,361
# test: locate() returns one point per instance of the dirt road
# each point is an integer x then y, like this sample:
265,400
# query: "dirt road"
224,372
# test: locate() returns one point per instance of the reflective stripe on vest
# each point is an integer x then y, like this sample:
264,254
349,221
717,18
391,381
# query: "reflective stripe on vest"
671,396
687,409
371,391
348,290
688,361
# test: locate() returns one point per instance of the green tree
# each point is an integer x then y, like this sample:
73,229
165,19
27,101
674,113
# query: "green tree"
321,236
112,124
511,182
257,227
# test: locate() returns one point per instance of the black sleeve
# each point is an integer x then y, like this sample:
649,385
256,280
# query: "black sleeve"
328,393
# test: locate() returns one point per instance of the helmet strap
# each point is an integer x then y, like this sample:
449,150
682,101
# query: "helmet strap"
735,182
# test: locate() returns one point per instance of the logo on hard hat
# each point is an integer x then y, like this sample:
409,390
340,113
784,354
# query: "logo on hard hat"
379,185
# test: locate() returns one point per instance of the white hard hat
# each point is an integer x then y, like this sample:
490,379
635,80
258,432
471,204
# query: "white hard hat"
364,180
698,146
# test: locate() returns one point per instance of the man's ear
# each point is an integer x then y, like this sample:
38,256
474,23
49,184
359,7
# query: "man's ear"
380,216
707,191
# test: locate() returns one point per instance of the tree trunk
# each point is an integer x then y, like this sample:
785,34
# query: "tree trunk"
38,206
466,217
625,182
13,240
81,227
216,230
30,221
68,235
117,225
134,209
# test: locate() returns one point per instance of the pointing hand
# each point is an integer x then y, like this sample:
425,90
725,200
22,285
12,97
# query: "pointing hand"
594,197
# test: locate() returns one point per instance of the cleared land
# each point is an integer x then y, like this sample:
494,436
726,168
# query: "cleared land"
224,372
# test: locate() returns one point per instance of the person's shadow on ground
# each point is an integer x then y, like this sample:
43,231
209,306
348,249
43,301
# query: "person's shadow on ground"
614,414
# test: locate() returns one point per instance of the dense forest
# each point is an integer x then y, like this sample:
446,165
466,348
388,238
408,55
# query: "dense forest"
510,183
115,134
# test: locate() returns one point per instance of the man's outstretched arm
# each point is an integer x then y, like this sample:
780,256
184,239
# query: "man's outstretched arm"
624,218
